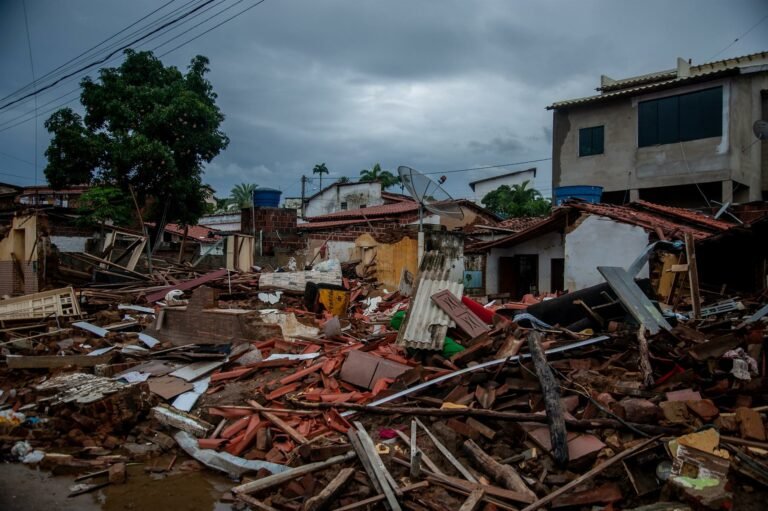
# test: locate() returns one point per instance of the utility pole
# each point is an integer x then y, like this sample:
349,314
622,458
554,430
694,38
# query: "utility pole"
303,182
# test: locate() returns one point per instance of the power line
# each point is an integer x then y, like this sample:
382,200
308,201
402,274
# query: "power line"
32,67
16,158
83,53
214,27
740,37
4,127
104,59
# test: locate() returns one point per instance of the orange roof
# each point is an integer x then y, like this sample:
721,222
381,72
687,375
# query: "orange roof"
195,232
374,211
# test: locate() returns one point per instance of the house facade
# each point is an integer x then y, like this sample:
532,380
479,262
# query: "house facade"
562,252
482,187
683,136
343,197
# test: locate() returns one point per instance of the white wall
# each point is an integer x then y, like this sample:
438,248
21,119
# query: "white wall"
483,188
549,246
354,194
600,241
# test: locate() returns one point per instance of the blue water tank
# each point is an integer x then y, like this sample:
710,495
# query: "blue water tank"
266,197
591,194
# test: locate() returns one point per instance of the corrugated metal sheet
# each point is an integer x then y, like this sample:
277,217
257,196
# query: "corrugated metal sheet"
425,324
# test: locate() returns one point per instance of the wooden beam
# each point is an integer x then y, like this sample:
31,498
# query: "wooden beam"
589,475
693,274
288,475
448,455
378,498
322,499
473,501
550,389
280,423
505,475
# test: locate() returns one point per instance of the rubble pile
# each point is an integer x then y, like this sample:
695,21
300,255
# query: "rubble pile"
328,392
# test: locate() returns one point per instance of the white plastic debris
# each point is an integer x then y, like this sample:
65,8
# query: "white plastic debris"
223,461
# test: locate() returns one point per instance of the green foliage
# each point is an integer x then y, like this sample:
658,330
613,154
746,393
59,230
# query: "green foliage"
103,203
375,173
147,128
517,201
241,195
342,180
320,169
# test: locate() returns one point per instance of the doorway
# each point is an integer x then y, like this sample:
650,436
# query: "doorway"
519,275
557,275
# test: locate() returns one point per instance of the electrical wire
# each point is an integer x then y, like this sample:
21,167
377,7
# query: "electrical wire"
740,37
83,53
32,67
104,59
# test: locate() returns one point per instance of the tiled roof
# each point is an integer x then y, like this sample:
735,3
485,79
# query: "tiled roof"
672,222
311,226
669,221
395,197
633,91
195,232
395,209
663,79
521,223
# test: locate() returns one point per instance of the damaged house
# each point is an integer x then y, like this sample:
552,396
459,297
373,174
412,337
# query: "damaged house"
562,252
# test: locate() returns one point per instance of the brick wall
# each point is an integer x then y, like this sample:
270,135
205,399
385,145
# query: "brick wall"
277,226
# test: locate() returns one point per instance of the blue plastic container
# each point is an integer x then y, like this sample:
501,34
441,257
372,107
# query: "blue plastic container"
591,194
266,197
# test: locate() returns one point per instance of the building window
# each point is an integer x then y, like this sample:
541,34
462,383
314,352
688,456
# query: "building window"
363,206
344,206
591,141
680,118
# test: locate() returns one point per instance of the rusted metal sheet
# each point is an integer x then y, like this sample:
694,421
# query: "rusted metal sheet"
442,267
460,313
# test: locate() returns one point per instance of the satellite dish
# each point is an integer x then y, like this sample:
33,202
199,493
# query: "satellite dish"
760,129
429,195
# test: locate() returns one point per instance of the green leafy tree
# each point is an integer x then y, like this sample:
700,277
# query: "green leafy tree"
320,169
343,180
242,195
148,130
517,201
375,173
104,203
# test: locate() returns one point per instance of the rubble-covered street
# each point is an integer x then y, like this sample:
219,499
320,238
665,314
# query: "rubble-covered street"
344,394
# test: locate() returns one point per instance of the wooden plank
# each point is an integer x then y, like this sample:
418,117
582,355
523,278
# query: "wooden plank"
415,453
378,498
277,421
450,457
693,274
321,500
465,319
505,475
550,389
255,503
354,440
426,459
589,475
288,475
385,479
473,501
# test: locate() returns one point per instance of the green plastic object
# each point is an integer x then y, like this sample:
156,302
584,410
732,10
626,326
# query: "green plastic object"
451,347
397,320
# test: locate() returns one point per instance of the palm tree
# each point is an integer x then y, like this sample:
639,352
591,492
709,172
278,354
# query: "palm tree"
241,195
321,169
521,194
385,177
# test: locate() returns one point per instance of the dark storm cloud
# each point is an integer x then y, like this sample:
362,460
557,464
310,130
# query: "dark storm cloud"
436,85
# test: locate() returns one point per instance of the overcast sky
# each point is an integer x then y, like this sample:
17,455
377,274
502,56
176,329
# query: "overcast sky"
434,84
